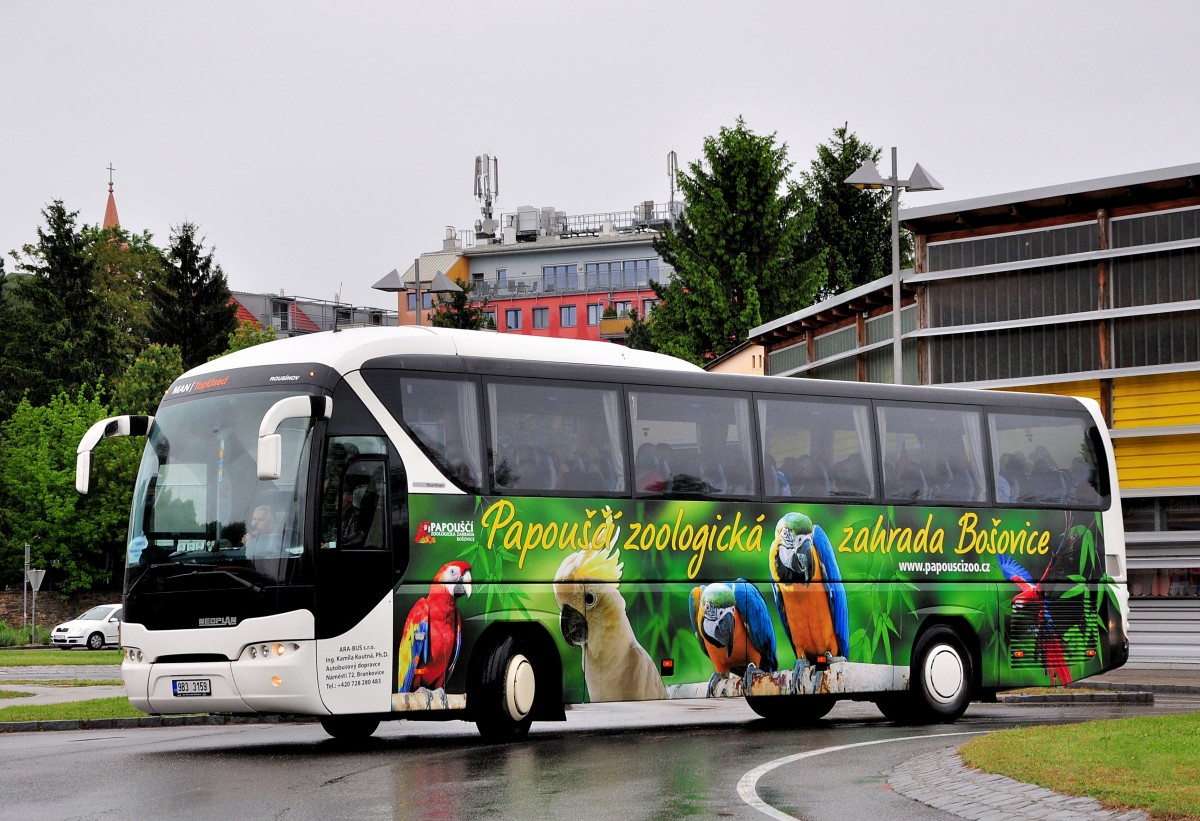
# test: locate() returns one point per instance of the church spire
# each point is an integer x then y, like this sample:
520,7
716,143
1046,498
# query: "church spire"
110,211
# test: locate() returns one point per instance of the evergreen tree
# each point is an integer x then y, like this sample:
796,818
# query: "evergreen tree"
733,249
459,311
638,336
850,230
65,335
192,306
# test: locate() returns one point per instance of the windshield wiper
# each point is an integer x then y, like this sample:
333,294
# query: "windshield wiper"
206,569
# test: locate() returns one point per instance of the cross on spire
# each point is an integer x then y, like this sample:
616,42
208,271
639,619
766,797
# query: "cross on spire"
110,172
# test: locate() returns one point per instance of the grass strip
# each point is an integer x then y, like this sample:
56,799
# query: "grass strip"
57,658
118,707
14,694
1150,763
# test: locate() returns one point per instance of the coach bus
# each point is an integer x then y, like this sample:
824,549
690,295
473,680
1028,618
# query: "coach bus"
421,523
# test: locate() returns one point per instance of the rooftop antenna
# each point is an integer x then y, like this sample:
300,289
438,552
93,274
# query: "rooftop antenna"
487,182
672,173
337,301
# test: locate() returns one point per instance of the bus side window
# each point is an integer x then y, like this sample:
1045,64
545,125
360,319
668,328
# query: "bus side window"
691,443
1046,459
816,449
548,436
931,453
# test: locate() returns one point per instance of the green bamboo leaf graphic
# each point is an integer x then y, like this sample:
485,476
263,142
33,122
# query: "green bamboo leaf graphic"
1077,590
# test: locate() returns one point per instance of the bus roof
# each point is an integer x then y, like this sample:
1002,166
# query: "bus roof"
346,350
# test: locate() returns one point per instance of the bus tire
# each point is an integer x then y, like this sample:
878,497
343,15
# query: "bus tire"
792,710
941,676
897,707
507,689
351,727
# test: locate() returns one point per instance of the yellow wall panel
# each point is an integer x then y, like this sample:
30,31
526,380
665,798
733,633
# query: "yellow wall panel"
1089,389
1159,461
1156,401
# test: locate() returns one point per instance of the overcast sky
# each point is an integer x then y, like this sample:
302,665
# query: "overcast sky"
318,145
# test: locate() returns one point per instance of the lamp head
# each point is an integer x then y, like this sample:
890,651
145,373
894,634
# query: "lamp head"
866,176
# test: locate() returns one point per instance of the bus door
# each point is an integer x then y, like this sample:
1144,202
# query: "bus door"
354,556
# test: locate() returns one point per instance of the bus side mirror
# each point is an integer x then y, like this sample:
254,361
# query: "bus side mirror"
112,426
270,443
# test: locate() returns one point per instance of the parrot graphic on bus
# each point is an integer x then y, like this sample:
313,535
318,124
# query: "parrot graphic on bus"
734,628
1048,644
809,594
432,634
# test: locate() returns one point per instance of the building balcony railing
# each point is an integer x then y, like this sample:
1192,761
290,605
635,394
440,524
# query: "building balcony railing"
517,287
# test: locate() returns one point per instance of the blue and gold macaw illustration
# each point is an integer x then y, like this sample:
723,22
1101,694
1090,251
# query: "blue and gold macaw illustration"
734,628
808,591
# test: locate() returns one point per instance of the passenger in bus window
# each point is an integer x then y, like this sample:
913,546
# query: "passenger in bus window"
777,480
806,476
850,477
649,473
1015,471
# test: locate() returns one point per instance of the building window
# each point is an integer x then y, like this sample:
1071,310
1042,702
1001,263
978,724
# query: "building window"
280,314
594,311
648,306
512,319
489,320
630,273
502,275
541,318
559,277
566,316
623,308
426,300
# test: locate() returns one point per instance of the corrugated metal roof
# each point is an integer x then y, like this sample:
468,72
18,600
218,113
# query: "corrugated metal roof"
431,264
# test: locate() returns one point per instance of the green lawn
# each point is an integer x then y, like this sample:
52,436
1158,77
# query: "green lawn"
13,693
76,710
44,658
1150,763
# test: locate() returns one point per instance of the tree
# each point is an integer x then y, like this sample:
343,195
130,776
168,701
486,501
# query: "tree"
141,387
129,268
733,249
193,308
80,537
459,311
850,233
247,335
66,334
638,336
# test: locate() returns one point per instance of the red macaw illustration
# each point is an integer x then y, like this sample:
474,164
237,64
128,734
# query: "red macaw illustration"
432,634
1048,644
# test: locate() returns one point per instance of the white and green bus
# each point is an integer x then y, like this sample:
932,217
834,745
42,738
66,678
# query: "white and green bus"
417,523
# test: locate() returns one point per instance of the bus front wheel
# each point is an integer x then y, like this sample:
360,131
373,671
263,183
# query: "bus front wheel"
350,728
941,675
504,701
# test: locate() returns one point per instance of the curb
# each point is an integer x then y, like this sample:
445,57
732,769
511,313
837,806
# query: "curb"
148,721
1133,697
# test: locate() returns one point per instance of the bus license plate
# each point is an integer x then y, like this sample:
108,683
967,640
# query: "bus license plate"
191,686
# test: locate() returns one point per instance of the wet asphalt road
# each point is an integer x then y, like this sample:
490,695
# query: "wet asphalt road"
672,760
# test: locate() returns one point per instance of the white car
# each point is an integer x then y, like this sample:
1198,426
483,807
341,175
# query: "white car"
94,629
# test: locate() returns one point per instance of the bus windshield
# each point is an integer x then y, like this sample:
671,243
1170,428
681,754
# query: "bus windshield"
199,507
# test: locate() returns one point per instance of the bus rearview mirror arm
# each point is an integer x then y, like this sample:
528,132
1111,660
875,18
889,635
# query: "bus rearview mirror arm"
112,426
270,443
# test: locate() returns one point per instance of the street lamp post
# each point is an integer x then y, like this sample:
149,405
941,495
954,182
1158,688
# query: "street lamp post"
867,176
438,284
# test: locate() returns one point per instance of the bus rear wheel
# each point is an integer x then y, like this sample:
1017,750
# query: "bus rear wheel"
504,701
941,676
350,728
792,709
